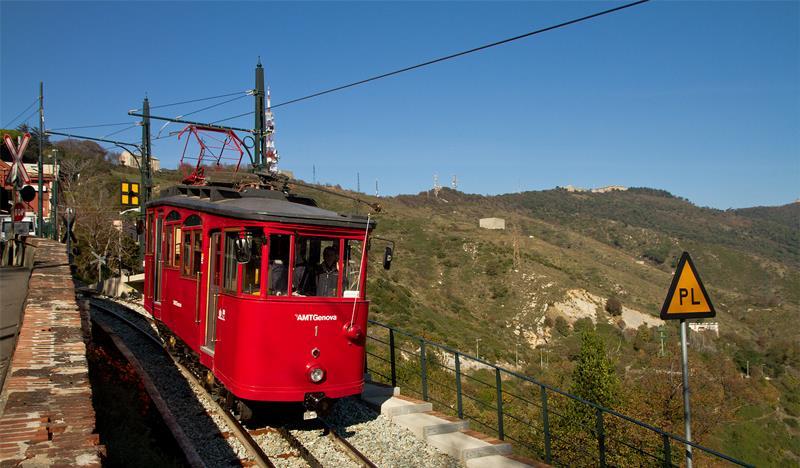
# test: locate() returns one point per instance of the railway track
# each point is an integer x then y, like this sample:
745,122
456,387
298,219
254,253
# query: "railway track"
246,436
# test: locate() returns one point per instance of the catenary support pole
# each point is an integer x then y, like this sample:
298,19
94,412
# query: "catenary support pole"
145,168
40,167
259,157
687,414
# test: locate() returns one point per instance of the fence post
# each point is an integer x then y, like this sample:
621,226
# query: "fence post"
545,426
392,362
499,385
458,387
423,369
667,451
601,438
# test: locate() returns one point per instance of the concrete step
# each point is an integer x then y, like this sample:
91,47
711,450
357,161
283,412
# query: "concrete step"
391,406
499,461
466,445
376,389
424,425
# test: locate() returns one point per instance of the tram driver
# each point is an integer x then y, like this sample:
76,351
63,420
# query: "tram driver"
328,273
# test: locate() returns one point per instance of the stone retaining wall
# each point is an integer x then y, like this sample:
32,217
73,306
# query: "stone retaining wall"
46,412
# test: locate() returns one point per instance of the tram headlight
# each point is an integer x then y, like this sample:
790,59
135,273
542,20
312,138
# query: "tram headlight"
316,375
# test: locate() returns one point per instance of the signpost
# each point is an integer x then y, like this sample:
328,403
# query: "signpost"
687,298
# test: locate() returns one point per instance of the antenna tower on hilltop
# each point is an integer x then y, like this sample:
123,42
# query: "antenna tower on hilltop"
436,187
454,183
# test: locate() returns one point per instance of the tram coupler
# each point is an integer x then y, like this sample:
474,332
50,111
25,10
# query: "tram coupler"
316,404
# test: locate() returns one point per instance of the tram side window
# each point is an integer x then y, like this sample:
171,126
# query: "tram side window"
231,271
316,267
192,252
197,242
187,253
169,246
352,267
278,274
176,250
251,271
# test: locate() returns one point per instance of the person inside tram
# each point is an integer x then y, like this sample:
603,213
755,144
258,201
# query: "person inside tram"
328,273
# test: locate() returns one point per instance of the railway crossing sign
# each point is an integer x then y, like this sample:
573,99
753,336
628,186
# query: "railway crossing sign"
17,176
687,297
18,211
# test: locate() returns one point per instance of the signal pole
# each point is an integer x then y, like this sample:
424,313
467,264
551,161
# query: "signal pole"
40,202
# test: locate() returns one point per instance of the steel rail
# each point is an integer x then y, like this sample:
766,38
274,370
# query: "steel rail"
349,449
242,434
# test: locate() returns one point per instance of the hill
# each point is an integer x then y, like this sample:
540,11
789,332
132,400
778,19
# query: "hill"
530,287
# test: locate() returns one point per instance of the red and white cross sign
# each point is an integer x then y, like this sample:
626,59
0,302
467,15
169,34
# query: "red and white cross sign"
17,168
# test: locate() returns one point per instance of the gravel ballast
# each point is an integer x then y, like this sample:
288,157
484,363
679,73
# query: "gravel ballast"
374,435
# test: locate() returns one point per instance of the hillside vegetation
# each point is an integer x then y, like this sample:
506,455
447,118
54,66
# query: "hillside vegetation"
563,255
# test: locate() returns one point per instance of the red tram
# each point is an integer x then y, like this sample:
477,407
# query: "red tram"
267,290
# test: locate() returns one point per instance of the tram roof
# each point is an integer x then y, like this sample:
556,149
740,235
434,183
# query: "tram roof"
256,205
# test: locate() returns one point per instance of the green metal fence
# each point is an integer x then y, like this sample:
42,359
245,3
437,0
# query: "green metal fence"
540,420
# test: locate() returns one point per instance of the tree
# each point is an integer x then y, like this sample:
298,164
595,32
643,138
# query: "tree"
594,377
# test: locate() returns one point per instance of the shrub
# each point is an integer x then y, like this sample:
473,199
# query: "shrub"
614,306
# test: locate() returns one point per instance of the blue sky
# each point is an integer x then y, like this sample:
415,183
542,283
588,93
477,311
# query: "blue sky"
698,98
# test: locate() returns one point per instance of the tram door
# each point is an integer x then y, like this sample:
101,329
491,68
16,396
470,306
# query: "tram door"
158,260
213,290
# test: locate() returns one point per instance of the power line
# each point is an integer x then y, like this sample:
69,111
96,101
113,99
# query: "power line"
452,56
93,126
17,116
120,131
199,99
212,106
234,117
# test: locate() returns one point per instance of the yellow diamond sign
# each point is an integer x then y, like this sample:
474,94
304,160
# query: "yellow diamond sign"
687,297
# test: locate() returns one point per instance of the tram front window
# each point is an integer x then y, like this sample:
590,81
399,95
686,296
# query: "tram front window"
278,274
251,271
353,250
316,267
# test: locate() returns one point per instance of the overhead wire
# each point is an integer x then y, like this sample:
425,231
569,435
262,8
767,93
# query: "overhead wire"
120,131
93,126
450,56
246,92
17,116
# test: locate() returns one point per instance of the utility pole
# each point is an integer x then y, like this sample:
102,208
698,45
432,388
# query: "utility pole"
260,124
314,173
145,168
358,182
54,196
377,194
40,196
477,340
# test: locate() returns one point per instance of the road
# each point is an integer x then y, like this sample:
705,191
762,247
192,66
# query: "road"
13,290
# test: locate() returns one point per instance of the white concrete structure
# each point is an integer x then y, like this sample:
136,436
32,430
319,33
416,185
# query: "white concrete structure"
705,326
129,160
492,223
